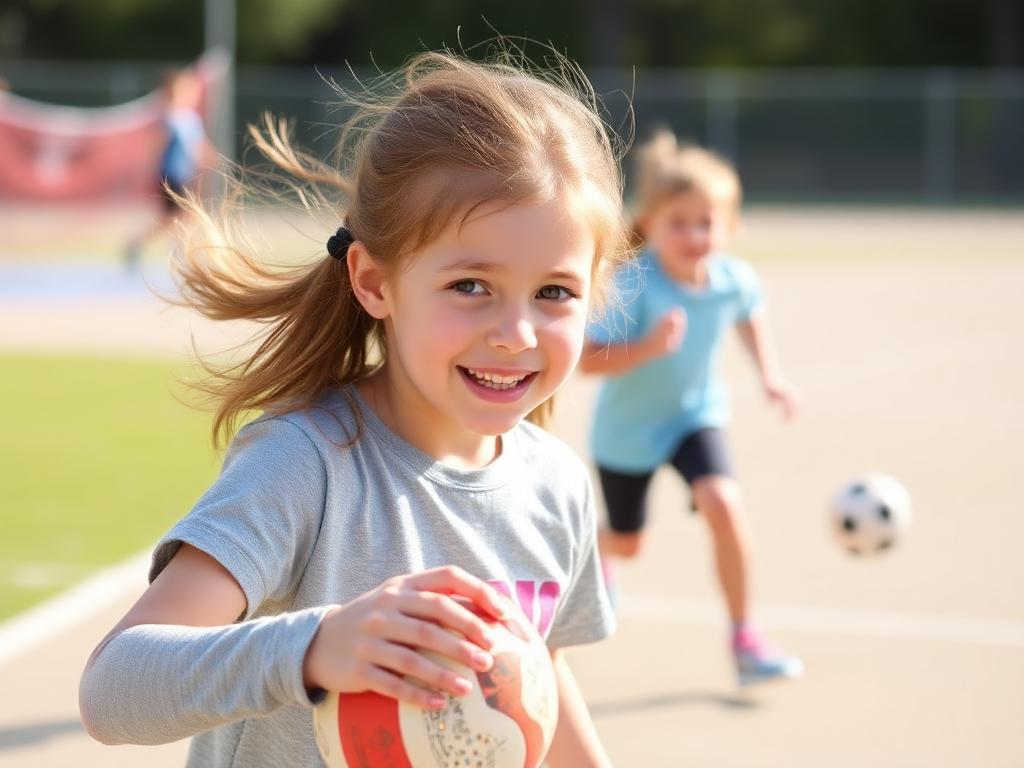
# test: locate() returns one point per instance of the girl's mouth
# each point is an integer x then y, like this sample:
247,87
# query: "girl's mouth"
497,386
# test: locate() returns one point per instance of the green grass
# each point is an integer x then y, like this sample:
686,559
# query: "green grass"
97,459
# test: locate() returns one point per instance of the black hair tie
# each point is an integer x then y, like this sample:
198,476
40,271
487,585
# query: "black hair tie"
338,243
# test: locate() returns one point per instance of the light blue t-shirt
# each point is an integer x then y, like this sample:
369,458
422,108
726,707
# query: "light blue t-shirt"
642,416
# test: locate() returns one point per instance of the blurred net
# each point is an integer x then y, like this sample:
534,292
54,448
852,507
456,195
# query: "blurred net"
69,153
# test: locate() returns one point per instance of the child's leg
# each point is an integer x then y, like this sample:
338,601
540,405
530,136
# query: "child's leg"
133,250
719,502
703,459
165,218
622,536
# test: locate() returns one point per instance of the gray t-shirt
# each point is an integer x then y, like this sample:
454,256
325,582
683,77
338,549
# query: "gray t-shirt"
302,519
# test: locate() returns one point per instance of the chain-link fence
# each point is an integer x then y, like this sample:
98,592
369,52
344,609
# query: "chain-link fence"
934,136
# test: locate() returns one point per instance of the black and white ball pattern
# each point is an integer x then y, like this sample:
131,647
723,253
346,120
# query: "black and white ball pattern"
870,514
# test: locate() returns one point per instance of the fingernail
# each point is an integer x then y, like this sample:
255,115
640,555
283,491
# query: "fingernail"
483,660
488,636
462,685
437,702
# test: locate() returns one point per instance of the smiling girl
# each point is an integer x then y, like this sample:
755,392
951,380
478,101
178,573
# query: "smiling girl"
397,468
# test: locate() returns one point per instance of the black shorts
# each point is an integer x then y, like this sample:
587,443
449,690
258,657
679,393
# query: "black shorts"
701,454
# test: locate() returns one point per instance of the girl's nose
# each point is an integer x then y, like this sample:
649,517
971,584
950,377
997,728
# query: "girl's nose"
513,334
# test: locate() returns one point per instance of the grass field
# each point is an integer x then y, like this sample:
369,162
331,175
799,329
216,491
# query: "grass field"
98,458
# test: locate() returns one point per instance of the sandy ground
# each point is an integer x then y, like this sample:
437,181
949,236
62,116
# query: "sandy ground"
909,365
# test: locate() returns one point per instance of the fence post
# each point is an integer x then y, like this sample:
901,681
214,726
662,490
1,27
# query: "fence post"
723,120
219,32
939,137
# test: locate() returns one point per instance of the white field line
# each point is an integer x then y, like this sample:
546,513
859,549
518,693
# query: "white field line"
45,621
36,573
37,625
816,619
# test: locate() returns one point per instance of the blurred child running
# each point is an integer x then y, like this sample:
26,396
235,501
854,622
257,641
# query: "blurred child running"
663,401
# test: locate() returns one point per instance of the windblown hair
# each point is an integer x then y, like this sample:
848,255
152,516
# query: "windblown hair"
424,148
665,169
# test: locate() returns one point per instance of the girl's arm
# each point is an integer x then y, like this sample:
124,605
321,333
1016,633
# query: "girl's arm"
575,744
176,665
760,343
615,359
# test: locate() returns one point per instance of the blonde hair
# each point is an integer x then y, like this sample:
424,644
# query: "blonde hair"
425,147
666,169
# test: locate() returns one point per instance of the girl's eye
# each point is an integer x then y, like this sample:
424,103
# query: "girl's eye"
555,293
468,287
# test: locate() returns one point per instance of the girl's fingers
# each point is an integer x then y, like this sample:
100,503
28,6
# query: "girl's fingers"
451,580
405,661
446,611
428,636
387,684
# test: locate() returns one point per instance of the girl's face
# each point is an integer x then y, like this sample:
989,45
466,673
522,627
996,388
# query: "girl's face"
486,322
686,228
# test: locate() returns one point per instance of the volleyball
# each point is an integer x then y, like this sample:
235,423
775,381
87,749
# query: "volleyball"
507,720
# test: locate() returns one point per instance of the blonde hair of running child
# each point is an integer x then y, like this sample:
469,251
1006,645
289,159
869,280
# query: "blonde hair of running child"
665,169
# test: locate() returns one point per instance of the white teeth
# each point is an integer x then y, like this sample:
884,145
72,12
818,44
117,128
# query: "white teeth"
495,380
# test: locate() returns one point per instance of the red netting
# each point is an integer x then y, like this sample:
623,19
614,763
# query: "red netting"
50,152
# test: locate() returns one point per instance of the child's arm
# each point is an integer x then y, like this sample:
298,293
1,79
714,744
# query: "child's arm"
760,342
575,744
175,665
614,359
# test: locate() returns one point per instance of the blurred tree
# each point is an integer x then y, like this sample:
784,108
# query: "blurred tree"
102,29
281,30
740,33
268,30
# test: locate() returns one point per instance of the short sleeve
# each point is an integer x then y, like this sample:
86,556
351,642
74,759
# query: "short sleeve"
622,317
751,294
584,614
261,517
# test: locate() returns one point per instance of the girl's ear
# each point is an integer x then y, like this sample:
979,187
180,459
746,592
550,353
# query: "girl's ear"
367,278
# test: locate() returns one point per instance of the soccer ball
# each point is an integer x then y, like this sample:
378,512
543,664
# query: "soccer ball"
869,515
506,721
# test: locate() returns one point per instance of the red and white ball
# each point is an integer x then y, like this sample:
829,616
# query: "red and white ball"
506,721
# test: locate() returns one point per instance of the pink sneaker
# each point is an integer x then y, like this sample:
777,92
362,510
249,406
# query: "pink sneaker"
759,662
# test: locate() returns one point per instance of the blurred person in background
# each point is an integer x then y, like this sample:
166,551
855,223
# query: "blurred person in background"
663,402
186,151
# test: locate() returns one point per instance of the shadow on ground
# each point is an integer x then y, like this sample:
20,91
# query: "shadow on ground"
36,733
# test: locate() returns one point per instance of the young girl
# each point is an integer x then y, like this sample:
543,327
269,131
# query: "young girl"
663,402
392,475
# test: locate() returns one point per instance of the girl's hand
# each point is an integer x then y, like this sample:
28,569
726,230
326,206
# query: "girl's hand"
371,643
781,391
668,334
